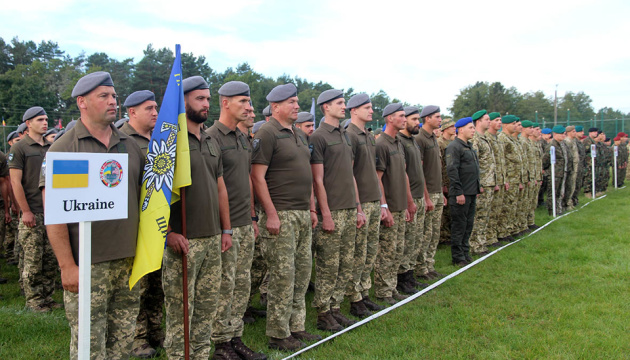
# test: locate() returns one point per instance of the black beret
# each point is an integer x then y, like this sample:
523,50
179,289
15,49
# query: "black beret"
90,82
138,97
32,112
593,129
194,83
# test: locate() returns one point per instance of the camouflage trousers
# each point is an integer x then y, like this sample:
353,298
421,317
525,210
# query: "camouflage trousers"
10,238
113,311
533,198
495,224
414,231
579,183
523,206
445,224
426,262
39,264
149,321
509,207
389,256
559,186
621,176
204,281
365,249
5,248
236,264
335,259
259,272
478,239
588,176
290,262
569,188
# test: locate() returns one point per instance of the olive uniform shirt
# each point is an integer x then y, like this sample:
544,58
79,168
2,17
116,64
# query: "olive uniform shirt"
202,197
364,169
286,153
331,147
27,155
4,172
236,158
462,166
431,163
111,239
413,161
142,142
390,159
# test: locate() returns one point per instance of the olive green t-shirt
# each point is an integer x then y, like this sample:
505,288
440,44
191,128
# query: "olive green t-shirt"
413,160
331,147
236,158
27,155
142,142
364,150
431,163
4,172
202,197
286,153
390,159
111,239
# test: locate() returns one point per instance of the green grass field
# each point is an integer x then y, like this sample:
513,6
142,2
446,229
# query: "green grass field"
562,293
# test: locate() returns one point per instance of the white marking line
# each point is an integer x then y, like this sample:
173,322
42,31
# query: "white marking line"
432,286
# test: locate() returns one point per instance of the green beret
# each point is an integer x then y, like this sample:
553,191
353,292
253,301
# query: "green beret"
579,128
494,115
476,116
527,123
508,119
558,129
536,125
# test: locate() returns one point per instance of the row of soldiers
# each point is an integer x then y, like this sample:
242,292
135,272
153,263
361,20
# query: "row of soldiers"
265,207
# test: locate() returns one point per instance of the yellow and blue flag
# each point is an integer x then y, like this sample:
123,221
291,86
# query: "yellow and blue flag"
167,169
70,174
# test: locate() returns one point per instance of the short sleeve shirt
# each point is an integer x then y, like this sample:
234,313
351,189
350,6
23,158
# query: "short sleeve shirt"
364,150
390,159
431,163
236,157
202,197
28,155
413,161
111,239
286,153
142,142
331,147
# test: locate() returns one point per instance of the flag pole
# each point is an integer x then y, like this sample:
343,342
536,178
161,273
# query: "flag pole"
185,280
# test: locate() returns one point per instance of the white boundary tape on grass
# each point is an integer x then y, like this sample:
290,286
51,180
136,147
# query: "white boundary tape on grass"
432,286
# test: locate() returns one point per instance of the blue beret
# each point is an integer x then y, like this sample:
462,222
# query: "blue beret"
546,131
21,128
463,122
138,97
593,129
118,124
558,129
429,110
410,110
476,116
579,128
304,117
12,135
32,112
329,95
281,93
194,83
392,108
257,126
234,88
358,100
267,111
90,82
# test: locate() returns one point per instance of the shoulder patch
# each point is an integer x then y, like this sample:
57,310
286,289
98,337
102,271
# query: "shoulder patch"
10,156
256,144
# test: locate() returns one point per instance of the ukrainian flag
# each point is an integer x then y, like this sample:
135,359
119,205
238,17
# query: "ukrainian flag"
70,174
167,169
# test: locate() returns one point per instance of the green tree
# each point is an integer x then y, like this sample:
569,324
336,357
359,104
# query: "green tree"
535,105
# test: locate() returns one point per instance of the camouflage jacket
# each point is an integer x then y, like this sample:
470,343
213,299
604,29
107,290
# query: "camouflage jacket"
513,159
443,143
487,165
499,159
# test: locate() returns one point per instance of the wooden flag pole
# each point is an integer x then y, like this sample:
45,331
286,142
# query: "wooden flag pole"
185,280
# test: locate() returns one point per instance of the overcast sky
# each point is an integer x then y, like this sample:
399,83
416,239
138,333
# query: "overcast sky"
416,51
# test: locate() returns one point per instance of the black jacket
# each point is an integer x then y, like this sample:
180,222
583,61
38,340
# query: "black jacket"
462,166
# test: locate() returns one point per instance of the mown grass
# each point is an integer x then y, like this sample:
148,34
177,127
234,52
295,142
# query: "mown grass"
562,293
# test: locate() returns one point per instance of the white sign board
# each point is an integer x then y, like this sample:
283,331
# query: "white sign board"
85,187
616,151
552,152
593,151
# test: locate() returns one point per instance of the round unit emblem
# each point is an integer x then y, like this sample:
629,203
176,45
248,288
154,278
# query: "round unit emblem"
111,173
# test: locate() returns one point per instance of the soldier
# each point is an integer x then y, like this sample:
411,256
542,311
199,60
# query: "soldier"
513,171
267,113
416,194
545,138
50,135
364,170
572,161
579,176
390,168
114,307
590,140
208,234
142,110
306,123
463,172
546,135
337,199
622,160
25,162
432,169
448,135
559,168
601,165
530,165
520,223
536,152
488,180
282,179
5,215
236,262
497,229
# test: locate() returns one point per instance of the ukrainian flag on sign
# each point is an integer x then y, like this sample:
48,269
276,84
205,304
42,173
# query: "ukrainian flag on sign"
167,169
70,174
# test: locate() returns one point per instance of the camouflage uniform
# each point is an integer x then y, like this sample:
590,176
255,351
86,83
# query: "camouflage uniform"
622,159
365,250
514,176
428,247
559,169
242,277
496,229
389,256
537,154
11,238
487,178
204,280
413,236
588,165
289,259
579,176
445,227
259,273
528,174
601,165
221,328
40,264
573,160
113,304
